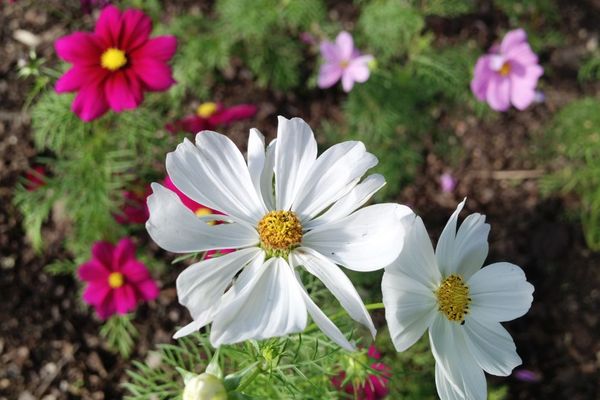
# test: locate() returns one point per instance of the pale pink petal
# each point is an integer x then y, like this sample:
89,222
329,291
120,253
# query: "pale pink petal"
329,74
521,95
124,252
359,68
329,51
108,26
125,299
345,45
156,75
347,81
103,252
148,289
120,93
92,271
522,54
481,77
161,48
79,48
512,39
135,29
498,93
135,271
96,293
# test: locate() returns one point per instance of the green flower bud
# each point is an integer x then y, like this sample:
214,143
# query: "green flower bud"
204,387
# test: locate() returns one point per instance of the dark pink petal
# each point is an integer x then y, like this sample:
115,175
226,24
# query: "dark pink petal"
329,51
90,103
148,289
345,45
189,203
498,93
125,299
135,29
161,48
373,353
135,271
512,39
79,48
103,252
329,74
123,254
108,26
108,306
156,75
121,93
192,124
234,113
96,293
481,77
74,78
92,271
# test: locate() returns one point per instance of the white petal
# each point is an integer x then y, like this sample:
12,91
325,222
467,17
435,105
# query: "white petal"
499,292
176,228
409,308
455,361
256,158
463,252
324,323
349,203
367,240
215,174
200,286
336,281
295,154
200,321
270,305
446,390
266,178
333,175
417,259
491,346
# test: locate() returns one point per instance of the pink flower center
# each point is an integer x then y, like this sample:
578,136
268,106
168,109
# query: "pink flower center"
504,69
113,59
116,280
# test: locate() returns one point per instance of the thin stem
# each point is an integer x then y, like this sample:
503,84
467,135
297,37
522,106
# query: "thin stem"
249,379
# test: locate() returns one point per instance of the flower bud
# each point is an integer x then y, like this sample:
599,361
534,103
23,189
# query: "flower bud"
204,387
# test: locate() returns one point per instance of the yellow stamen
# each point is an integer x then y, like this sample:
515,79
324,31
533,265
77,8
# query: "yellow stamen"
113,59
116,280
505,69
206,110
280,231
202,211
344,64
453,298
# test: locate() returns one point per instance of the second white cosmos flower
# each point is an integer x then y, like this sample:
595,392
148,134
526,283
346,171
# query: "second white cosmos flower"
285,209
460,303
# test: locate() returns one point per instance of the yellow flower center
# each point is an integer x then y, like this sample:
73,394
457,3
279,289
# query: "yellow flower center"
505,69
280,231
344,64
116,280
206,110
202,211
113,59
453,298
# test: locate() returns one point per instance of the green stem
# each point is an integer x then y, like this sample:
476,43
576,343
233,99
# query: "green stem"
370,307
248,380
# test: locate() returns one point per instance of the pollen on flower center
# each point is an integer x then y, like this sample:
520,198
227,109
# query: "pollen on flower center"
280,230
505,69
453,298
116,280
113,59
344,63
206,110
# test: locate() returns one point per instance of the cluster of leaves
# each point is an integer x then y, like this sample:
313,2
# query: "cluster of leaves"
572,143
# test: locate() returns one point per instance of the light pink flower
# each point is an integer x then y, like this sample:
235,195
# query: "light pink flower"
116,280
343,61
508,74
115,64
447,182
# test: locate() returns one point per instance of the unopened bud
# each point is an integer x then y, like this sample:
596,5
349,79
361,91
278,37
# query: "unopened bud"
204,387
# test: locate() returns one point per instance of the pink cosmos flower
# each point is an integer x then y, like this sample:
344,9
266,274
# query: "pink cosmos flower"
116,280
343,61
35,178
375,387
508,74
115,64
210,115
447,182
134,210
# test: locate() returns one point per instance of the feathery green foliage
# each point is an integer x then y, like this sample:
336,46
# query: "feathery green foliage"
120,334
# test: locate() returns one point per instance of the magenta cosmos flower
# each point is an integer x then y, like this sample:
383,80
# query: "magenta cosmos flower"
343,61
508,74
134,209
35,178
116,280
115,64
210,115
369,386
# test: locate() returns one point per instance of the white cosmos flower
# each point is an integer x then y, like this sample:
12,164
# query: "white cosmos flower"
285,209
461,303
